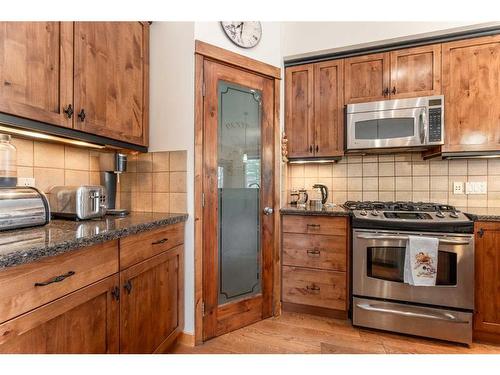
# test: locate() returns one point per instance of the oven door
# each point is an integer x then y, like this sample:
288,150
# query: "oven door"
378,269
387,129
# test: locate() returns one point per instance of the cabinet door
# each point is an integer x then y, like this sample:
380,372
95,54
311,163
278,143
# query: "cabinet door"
416,72
299,123
151,303
328,108
111,79
487,263
85,321
36,70
471,88
367,78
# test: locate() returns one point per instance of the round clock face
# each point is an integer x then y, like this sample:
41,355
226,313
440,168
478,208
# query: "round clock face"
245,34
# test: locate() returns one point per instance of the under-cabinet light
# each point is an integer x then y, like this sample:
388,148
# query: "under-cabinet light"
312,161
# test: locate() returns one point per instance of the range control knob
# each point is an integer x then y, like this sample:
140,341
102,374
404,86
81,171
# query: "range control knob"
363,213
454,214
440,214
374,213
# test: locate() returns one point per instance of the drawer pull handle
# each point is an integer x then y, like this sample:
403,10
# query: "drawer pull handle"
314,252
56,279
163,240
313,226
313,288
128,286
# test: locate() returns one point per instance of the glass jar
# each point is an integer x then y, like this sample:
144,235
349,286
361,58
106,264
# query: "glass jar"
8,162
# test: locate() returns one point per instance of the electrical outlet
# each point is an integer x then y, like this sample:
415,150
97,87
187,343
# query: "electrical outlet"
458,187
26,181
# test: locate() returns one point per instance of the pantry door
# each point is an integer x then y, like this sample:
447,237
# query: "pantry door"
238,191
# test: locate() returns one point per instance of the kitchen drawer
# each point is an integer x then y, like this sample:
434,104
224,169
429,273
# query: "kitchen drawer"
311,287
139,247
315,251
335,226
25,287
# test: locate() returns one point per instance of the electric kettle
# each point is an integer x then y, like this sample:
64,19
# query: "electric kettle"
323,191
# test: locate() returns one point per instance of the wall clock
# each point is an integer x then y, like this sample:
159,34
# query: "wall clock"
245,34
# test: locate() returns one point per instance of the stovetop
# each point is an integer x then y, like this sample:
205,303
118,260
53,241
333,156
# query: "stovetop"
426,216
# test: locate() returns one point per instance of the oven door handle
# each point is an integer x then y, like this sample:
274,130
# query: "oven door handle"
413,314
444,241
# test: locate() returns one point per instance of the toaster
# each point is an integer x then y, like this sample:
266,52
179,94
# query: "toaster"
78,202
22,207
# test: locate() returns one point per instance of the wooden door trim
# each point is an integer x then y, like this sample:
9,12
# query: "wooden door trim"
236,60
202,52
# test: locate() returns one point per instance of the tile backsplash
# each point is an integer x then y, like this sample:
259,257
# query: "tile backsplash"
154,182
400,177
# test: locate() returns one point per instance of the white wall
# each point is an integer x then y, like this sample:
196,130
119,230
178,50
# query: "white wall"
306,37
171,119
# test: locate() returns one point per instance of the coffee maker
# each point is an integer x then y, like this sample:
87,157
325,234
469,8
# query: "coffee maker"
110,180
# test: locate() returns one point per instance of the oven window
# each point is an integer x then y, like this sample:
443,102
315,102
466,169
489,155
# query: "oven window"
387,263
385,128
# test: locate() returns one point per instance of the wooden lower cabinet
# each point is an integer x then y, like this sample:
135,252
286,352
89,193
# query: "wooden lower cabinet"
152,292
85,321
315,277
487,286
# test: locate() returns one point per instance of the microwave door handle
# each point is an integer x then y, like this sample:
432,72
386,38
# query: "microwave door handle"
422,125
444,241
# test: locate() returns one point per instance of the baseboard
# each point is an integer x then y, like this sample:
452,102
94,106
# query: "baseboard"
186,339
314,310
486,337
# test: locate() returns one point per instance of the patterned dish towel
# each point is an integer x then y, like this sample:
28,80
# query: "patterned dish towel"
421,261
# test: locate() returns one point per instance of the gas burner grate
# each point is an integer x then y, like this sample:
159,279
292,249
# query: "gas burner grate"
398,206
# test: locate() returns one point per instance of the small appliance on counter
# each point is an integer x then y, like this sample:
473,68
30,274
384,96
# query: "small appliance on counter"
78,202
298,197
22,207
110,179
319,197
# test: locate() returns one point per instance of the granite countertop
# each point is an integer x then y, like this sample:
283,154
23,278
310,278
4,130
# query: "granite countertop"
482,213
307,210
20,246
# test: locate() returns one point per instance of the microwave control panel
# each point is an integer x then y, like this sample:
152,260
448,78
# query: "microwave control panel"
435,124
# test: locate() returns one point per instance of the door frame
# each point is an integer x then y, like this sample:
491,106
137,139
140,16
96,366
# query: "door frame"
205,51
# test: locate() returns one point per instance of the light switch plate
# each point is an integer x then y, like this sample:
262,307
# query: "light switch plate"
458,187
477,187
26,181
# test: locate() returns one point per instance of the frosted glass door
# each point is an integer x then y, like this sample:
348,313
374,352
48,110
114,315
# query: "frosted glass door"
239,180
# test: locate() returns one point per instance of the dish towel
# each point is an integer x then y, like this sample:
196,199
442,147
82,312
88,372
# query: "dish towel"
421,261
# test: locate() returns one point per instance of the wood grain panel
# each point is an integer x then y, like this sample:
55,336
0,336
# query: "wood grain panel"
315,251
85,321
36,70
487,280
471,88
416,72
111,79
334,226
314,287
299,111
366,78
151,293
139,247
19,294
328,109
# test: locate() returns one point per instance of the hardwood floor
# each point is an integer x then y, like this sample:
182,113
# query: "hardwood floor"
301,333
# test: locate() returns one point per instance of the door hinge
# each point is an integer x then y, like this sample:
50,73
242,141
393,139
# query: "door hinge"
202,199
203,309
203,88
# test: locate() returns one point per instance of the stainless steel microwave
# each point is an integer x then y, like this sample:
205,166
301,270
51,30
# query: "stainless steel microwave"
395,124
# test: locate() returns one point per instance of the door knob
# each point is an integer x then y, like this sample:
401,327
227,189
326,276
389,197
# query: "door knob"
268,211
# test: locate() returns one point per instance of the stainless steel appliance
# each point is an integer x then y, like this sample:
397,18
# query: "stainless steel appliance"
395,124
78,202
382,300
110,179
22,207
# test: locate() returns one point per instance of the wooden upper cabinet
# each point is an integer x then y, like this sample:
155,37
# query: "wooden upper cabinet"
487,285
416,72
151,303
328,108
299,96
83,322
367,78
111,79
36,70
471,88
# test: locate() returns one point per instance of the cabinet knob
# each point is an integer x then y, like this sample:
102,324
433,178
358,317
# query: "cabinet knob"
317,148
386,91
128,286
310,148
394,90
69,111
81,115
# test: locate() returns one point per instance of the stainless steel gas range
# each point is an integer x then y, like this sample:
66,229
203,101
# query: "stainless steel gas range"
382,300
